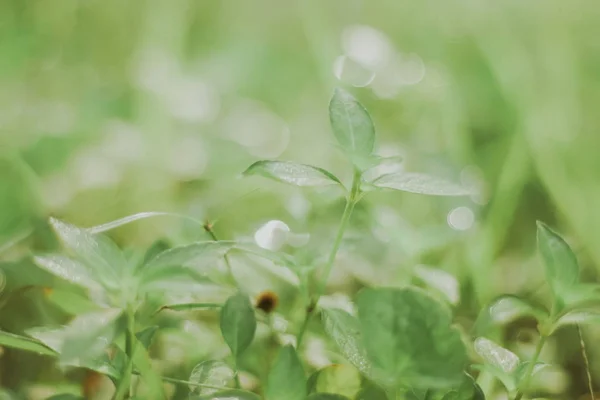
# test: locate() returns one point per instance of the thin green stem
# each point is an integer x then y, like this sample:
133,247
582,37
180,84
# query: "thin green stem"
350,203
586,362
208,227
529,371
238,384
124,389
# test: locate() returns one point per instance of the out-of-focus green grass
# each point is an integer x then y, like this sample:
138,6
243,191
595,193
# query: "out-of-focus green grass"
111,107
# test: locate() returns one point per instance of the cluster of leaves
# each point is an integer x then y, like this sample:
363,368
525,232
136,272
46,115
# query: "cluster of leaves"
401,342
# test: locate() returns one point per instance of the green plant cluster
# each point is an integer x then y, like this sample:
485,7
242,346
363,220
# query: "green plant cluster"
401,342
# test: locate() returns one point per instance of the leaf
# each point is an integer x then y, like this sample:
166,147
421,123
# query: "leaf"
190,307
409,339
419,183
238,323
143,363
496,355
468,390
146,335
505,309
440,280
67,269
71,302
371,392
88,335
24,343
521,371
99,254
562,269
339,379
293,173
136,217
232,394
210,373
286,380
577,317
326,396
351,124
65,396
344,330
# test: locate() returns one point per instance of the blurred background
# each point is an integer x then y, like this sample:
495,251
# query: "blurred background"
109,108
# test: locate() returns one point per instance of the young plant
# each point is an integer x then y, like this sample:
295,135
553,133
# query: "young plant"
355,133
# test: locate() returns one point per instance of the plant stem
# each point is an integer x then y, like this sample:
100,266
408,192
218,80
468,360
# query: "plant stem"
124,388
208,227
586,361
350,203
529,371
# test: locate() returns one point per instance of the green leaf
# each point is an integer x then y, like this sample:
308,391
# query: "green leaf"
409,338
326,396
340,379
419,183
293,173
344,330
210,374
190,307
88,335
371,392
65,396
99,254
351,124
562,269
143,363
71,302
232,394
505,309
68,269
577,317
238,323
286,380
146,335
501,363
468,390
136,217
24,343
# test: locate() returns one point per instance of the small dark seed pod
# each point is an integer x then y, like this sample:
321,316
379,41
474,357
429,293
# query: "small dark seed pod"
267,301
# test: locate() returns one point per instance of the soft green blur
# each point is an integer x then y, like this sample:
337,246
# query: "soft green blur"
113,107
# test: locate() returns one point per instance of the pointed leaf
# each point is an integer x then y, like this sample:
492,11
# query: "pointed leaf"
468,390
238,323
496,355
71,302
286,380
344,330
410,338
143,363
67,269
351,124
24,343
191,307
233,394
88,335
99,254
508,308
562,269
210,373
293,173
419,183
136,217
145,336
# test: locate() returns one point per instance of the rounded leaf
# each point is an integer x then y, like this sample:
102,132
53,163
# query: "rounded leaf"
409,338
496,355
211,373
238,323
